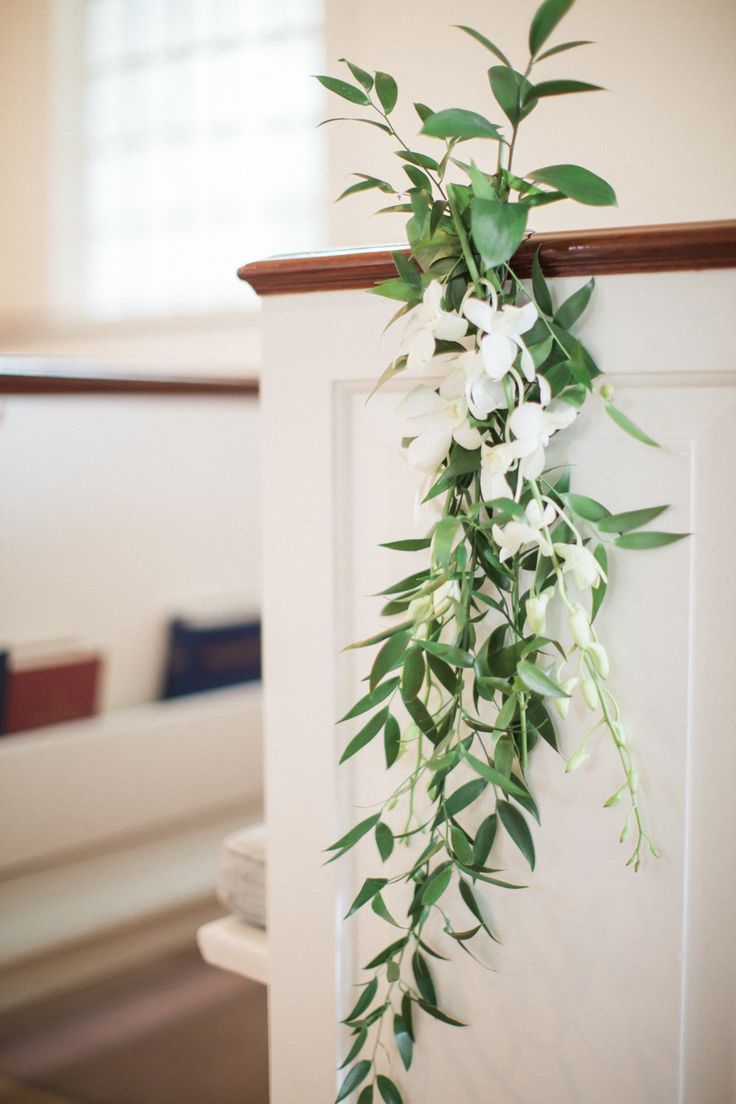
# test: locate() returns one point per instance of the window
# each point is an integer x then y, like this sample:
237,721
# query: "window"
200,148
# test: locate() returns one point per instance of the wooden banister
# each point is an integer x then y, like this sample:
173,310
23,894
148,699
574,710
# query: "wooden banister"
66,382
627,249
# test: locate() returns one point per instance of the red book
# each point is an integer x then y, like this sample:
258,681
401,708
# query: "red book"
50,689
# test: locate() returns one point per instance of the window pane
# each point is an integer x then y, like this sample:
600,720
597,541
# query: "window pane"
201,147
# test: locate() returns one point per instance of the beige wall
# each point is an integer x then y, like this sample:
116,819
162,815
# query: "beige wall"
663,135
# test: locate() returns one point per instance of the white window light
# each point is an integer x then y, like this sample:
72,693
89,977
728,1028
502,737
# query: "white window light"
196,114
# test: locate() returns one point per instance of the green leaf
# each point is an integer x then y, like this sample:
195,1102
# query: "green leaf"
423,111
387,952
599,592
366,1095
407,271
484,42
408,545
342,88
423,978
461,845
355,1077
421,159
389,657
546,18
456,122
484,838
356,1048
586,508
387,91
577,183
384,840
378,905
446,531
535,680
564,46
412,675
512,91
464,796
564,88
404,1041
370,887
518,829
354,119
457,657
396,289
366,734
391,741
351,838
436,886
370,700
573,307
363,1002
503,754
492,775
438,1015
640,541
628,426
498,229
360,75
366,184
540,287
630,519
388,1090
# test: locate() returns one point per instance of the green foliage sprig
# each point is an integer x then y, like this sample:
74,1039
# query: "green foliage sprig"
466,672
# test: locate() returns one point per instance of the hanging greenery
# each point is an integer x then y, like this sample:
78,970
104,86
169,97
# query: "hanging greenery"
466,670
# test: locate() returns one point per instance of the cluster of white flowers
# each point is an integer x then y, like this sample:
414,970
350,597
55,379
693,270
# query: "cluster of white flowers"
478,380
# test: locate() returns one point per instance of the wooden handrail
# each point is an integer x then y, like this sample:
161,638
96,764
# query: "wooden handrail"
74,383
627,249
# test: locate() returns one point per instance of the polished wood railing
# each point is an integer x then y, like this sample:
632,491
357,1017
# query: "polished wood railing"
14,380
627,249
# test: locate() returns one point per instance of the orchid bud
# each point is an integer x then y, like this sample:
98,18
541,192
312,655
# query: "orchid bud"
619,733
536,611
633,780
607,392
576,760
420,608
625,831
562,705
599,656
614,798
579,627
590,694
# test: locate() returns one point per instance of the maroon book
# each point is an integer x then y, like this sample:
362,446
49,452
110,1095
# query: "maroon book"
51,689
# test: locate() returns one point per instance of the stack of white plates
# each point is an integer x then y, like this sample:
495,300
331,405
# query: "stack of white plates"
241,884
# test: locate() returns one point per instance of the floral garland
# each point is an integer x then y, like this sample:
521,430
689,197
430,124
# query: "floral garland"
461,683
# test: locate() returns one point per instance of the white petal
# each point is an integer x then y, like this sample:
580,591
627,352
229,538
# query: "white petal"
493,486
467,436
527,362
528,315
498,355
429,450
545,393
437,421
421,350
449,327
479,313
433,296
559,415
420,400
484,396
532,466
527,422
453,385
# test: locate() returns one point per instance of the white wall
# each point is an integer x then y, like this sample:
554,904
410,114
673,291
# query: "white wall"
663,135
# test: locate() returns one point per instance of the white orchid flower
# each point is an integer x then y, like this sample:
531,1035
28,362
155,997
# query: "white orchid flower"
502,338
483,395
435,420
428,322
532,425
517,534
583,564
495,461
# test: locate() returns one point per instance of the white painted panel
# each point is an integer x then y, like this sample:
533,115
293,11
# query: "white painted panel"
609,986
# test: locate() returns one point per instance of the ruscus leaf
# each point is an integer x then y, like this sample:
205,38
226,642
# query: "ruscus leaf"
342,88
546,18
355,1077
